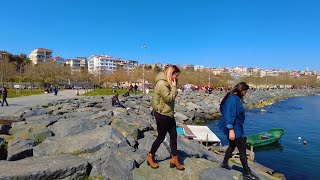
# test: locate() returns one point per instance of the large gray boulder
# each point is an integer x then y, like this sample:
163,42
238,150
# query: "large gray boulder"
146,143
180,117
38,132
19,149
193,168
115,163
72,126
191,148
89,141
192,106
45,119
218,174
36,112
48,167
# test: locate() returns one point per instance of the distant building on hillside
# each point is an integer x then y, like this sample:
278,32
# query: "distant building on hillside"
217,71
198,68
83,62
158,66
254,70
74,63
188,67
108,64
240,69
40,55
272,72
59,60
262,73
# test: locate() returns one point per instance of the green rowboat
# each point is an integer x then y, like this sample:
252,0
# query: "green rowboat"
265,138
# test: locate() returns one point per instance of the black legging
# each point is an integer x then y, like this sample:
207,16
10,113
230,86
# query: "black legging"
240,143
4,100
165,124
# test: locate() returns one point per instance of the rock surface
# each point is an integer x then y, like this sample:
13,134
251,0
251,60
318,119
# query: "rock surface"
86,136
47,167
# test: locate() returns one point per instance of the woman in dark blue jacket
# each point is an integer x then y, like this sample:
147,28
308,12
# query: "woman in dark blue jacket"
231,123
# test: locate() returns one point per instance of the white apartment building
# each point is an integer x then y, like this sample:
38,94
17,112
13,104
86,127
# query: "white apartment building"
198,68
40,55
263,73
108,64
59,60
217,71
254,70
74,63
83,62
240,69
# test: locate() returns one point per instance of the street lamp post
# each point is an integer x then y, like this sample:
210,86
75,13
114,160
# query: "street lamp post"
209,77
143,79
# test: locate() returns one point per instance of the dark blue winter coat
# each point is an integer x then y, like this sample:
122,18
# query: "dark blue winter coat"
233,116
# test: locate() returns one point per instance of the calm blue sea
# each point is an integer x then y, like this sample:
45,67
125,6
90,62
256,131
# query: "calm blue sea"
299,117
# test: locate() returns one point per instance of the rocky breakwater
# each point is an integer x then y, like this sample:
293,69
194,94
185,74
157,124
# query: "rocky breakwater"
87,138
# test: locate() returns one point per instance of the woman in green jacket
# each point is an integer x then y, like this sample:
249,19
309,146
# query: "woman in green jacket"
165,92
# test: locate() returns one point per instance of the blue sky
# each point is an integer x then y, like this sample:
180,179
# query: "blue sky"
281,34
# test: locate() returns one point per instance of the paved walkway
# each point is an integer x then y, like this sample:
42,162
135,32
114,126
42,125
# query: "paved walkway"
19,103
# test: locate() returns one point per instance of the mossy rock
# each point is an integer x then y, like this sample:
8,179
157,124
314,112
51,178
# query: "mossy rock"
125,128
37,132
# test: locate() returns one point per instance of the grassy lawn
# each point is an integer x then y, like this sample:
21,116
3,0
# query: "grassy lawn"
23,92
105,92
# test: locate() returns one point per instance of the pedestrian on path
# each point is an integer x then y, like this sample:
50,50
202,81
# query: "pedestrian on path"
131,88
55,89
135,89
0,95
4,96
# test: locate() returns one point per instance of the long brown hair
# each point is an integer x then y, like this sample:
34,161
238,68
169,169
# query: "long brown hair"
172,69
237,89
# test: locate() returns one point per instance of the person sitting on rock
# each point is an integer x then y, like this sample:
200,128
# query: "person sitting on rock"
115,101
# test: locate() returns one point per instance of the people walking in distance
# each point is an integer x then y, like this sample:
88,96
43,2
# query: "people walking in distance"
131,88
135,88
4,95
1,95
231,123
165,92
55,89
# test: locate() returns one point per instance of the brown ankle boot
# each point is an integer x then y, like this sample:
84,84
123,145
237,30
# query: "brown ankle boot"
151,162
175,163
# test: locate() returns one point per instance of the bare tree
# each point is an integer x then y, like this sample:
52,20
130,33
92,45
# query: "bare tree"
8,71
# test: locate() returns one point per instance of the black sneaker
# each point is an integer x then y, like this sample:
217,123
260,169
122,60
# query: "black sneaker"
225,165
